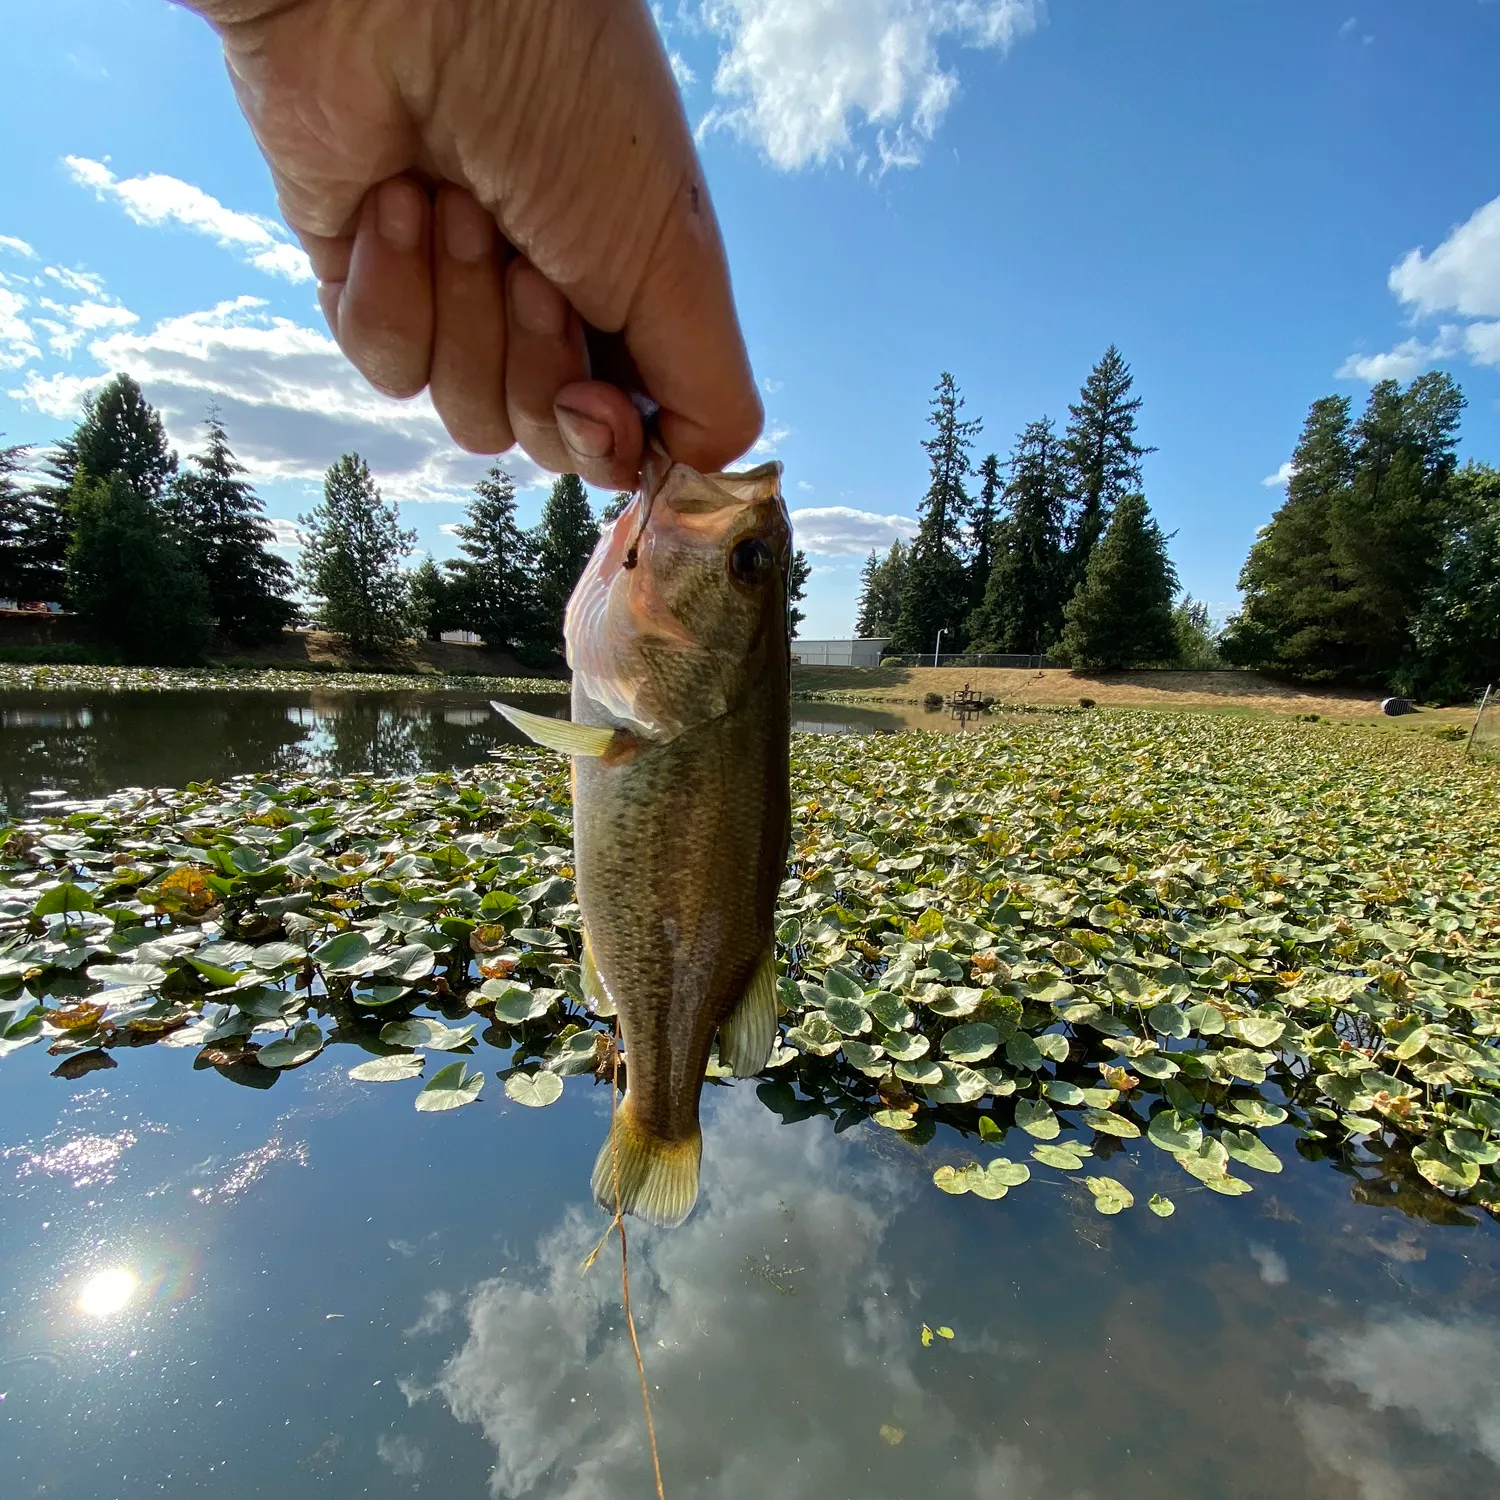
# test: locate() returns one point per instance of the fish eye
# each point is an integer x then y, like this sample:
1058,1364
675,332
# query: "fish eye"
751,560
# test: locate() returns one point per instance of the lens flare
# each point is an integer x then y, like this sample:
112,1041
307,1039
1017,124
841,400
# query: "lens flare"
107,1292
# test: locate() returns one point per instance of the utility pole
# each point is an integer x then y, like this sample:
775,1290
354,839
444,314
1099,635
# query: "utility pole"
937,650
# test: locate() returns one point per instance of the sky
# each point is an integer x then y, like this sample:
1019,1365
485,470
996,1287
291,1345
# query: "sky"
1260,202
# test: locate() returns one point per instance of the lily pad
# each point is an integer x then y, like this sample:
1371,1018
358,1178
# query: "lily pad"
1110,1196
454,1086
392,1069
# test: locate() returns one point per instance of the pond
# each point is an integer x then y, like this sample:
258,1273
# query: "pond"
88,743
306,1287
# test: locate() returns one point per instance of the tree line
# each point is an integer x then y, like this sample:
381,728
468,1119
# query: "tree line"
157,557
1382,566
1053,551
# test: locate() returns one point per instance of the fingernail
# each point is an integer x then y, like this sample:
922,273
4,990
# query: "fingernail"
537,305
468,230
398,214
586,437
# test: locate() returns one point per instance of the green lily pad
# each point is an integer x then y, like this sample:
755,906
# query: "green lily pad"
1067,1157
972,1043
390,1069
420,1031
303,1045
454,1086
1036,1119
847,1017
1245,1146
1162,1207
1110,1197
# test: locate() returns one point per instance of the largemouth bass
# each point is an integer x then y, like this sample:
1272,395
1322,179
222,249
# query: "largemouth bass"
678,639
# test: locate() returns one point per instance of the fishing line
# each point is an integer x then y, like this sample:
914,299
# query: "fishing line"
619,1225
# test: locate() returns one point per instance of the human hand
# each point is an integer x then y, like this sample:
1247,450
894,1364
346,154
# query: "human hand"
400,135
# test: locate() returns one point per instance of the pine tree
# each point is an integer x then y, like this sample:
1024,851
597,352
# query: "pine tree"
934,593
616,507
880,593
133,587
33,535
1104,458
120,433
1197,640
1021,610
221,522
801,571
1121,615
983,519
561,545
1457,633
1388,527
351,559
491,582
432,601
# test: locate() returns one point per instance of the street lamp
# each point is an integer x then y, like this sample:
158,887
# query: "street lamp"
937,650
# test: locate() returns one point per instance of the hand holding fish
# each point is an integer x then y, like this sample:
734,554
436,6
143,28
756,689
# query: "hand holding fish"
475,181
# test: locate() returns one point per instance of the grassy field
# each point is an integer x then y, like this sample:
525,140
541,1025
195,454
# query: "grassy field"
1218,691
1137,950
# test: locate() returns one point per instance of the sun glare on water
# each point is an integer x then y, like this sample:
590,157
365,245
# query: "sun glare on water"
107,1292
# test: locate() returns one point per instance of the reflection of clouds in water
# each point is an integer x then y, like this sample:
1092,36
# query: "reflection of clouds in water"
1445,1376
775,1342
1270,1263
436,1308
400,1455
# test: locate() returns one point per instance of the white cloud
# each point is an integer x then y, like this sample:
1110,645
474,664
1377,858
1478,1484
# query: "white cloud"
1280,479
157,199
18,344
1349,26
284,533
546,1372
291,401
1482,343
17,247
80,320
76,281
684,75
1408,358
449,528
770,440
1462,275
801,79
1270,1263
841,531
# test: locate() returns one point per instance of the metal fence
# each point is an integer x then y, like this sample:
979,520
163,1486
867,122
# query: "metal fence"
1484,738
969,659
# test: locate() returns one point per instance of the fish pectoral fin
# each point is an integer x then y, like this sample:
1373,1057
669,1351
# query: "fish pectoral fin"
746,1038
595,996
558,734
658,1180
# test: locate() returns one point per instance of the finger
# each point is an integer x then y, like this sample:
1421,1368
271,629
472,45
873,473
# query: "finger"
385,310
468,350
601,430
545,351
682,331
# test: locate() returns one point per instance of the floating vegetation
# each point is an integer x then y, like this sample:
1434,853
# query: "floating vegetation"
271,679
1064,941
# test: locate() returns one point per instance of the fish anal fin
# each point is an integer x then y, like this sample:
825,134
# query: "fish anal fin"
560,734
658,1179
746,1038
595,995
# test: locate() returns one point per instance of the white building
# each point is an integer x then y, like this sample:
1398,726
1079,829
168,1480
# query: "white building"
859,653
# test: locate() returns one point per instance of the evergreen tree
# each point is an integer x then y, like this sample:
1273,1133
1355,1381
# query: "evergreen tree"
801,571
983,519
432,601
561,545
1457,633
1021,609
221,522
1290,579
491,583
880,593
120,433
1387,528
1197,640
1104,458
935,590
616,507
351,559
33,535
132,586
1121,615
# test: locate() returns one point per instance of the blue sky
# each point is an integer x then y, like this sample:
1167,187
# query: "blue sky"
1259,201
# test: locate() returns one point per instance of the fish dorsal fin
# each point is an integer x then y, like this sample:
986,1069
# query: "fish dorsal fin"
558,734
595,996
658,1179
746,1038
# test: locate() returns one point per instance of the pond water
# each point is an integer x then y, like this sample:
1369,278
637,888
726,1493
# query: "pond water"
307,1288
90,743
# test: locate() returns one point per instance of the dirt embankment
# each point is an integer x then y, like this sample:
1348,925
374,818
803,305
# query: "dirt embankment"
317,650
1211,690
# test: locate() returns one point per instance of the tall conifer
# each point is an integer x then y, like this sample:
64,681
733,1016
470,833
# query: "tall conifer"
561,546
492,591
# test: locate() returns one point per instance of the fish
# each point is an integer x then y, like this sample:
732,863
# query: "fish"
678,636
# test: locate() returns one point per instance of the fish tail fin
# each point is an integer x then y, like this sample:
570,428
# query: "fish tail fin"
749,1033
658,1179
